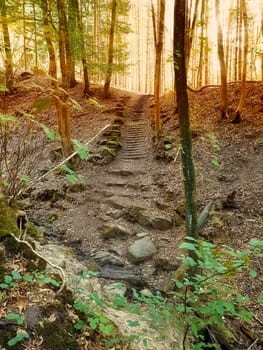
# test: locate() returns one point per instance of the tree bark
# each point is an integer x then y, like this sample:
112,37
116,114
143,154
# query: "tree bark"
62,96
52,67
184,120
158,41
9,75
75,13
223,72
106,90
237,114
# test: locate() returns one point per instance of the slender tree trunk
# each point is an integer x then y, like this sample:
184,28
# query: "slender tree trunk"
202,46
106,89
223,72
206,44
35,37
189,31
261,39
24,35
81,40
237,115
52,67
158,38
184,120
62,96
239,40
9,75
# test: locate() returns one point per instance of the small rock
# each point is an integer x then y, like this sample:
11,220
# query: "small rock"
141,250
165,264
105,258
111,230
146,292
141,234
162,223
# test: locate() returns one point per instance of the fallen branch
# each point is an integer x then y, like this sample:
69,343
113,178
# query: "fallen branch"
63,161
69,157
61,271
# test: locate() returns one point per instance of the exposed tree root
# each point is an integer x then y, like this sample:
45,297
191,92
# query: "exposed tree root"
60,270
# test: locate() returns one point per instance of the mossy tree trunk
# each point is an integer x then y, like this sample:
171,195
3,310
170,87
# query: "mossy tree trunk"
184,119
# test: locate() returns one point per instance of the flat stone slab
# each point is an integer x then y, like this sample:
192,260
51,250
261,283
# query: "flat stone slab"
112,229
141,250
119,273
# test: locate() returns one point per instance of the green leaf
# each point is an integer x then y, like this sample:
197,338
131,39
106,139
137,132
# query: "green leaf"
107,329
81,307
41,103
188,246
6,118
52,135
80,325
215,162
19,318
93,321
134,309
25,179
8,279
119,301
256,243
16,275
189,261
253,273
67,169
75,104
260,299
28,278
18,338
4,285
133,323
93,101
72,178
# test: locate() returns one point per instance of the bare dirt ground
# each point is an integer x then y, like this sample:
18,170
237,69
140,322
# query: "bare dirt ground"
229,165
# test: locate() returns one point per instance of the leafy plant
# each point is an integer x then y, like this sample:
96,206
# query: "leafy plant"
208,295
21,335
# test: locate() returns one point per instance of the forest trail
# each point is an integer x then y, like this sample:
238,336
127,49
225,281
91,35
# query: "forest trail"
135,138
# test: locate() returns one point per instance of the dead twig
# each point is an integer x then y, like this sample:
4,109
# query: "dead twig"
251,346
63,161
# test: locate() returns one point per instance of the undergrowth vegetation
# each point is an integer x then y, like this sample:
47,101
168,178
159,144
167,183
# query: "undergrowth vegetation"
202,300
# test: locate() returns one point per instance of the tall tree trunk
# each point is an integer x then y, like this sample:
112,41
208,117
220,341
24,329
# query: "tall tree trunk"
52,66
262,39
202,46
9,75
189,31
106,89
184,120
35,36
62,96
158,39
24,34
74,4
223,72
237,115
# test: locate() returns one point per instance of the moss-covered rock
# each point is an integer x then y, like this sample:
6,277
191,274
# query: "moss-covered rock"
8,220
